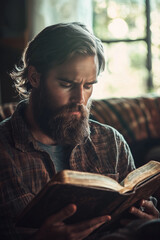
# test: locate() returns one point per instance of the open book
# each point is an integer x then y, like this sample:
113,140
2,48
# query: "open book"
94,195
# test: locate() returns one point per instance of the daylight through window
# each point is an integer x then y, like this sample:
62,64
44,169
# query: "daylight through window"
130,32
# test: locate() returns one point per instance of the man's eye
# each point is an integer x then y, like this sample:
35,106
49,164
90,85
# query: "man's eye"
65,84
87,86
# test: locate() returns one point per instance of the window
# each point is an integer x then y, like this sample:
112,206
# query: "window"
130,32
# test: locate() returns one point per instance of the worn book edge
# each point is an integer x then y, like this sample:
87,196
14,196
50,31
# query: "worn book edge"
134,178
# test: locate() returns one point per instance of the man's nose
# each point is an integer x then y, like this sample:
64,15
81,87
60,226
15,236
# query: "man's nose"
78,95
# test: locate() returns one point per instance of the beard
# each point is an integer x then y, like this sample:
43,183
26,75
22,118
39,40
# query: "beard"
59,123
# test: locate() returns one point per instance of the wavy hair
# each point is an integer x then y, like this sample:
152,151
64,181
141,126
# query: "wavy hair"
52,46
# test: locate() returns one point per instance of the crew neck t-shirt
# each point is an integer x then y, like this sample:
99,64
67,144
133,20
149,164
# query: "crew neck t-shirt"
58,155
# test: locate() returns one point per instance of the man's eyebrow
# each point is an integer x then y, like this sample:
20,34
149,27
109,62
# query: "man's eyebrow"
72,81
93,82
65,80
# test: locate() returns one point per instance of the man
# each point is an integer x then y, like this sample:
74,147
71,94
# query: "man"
51,131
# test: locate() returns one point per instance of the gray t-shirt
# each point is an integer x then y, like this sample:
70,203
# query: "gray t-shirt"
58,155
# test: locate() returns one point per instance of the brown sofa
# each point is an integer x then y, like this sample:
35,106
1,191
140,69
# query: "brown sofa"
137,119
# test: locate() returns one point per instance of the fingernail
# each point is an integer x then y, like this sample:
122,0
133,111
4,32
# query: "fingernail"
72,207
107,218
131,210
142,202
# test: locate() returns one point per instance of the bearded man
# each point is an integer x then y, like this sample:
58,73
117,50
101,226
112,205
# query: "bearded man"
51,131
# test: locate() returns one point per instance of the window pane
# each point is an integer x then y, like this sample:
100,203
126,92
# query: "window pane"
155,31
115,19
125,73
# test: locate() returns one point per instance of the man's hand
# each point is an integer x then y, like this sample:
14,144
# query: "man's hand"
55,228
147,210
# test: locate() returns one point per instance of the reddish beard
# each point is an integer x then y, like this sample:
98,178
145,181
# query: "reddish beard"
68,128
60,124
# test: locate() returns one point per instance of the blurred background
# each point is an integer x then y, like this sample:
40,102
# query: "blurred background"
129,30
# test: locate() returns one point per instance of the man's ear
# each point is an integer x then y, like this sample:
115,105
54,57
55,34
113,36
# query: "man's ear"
33,77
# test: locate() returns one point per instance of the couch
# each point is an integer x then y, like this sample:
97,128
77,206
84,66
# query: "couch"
137,119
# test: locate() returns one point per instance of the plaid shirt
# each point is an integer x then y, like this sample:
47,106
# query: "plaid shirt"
25,168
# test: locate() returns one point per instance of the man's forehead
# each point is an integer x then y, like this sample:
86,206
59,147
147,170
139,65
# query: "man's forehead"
83,64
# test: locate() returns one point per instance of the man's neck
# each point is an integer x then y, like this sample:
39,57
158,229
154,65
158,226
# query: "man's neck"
35,130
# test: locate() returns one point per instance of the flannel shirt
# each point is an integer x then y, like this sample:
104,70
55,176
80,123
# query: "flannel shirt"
25,169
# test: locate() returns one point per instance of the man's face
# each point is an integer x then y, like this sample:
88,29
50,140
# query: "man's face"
61,102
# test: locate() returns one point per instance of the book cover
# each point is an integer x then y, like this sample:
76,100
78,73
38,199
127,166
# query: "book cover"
92,201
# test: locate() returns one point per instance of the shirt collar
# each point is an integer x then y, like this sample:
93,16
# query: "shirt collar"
21,134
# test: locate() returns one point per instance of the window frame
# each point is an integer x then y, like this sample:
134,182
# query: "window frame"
147,40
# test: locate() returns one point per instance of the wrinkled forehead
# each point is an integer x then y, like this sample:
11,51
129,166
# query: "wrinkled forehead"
78,64
84,60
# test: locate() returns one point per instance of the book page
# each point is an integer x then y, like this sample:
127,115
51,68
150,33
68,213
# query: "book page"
87,179
140,174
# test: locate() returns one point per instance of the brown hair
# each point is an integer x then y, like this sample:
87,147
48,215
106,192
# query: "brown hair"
54,45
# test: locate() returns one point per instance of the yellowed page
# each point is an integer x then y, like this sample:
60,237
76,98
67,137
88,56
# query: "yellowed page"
88,180
140,174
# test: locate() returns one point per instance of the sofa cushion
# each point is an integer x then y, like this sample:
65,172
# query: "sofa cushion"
135,118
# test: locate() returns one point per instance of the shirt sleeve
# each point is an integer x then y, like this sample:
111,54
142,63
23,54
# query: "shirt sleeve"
125,161
14,196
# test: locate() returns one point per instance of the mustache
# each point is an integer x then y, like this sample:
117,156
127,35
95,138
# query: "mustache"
73,107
